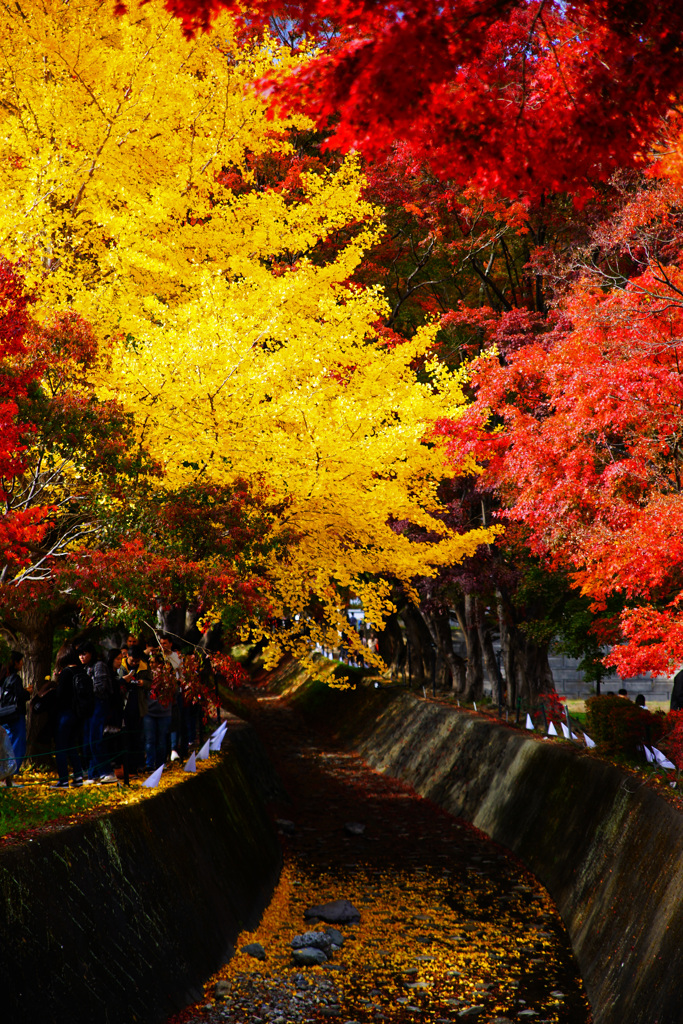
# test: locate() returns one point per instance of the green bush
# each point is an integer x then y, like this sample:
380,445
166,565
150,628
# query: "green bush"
619,727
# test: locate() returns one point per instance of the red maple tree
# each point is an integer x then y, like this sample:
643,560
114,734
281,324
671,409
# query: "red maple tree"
522,96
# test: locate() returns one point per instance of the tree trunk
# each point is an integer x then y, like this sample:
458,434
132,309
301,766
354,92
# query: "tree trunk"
34,640
419,639
489,655
474,674
35,643
527,669
453,667
391,646
534,675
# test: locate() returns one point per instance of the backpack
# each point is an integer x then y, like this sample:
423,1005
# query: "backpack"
83,697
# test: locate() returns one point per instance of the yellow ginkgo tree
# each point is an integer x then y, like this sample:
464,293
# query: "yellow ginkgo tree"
226,318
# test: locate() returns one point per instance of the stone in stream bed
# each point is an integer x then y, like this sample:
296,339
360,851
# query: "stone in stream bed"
254,949
354,828
309,956
338,938
314,940
337,912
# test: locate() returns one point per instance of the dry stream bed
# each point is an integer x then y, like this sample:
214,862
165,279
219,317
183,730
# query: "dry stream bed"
452,927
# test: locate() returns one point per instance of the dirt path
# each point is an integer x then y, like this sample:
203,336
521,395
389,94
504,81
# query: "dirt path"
451,928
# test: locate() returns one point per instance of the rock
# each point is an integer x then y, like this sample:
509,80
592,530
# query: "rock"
335,935
222,988
309,956
472,1011
254,949
313,940
285,826
338,912
354,828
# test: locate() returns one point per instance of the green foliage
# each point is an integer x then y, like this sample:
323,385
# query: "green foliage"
619,727
29,808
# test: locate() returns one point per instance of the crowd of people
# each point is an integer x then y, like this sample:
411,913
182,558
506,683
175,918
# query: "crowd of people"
128,708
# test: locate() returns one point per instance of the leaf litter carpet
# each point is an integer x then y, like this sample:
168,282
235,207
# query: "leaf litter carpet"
452,927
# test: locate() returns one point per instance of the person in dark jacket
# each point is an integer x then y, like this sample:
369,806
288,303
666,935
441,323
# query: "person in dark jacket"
136,679
95,758
13,695
67,724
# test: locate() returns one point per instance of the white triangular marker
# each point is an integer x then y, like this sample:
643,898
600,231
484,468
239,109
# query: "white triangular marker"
649,756
154,779
203,754
221,728
565,731
529,723
175,755
475,704
574,736
191,765
552,731
589,742
217,736
662,759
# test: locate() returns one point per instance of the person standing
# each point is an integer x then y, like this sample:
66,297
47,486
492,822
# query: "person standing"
157,720
95,757
136,678
68,725
13,695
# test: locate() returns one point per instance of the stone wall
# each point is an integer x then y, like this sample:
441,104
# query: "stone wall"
608,848
120,920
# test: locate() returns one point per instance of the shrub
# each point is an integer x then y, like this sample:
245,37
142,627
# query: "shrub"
672,741
554,708
619,727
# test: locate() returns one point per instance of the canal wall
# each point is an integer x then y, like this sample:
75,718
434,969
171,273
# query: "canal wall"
608,849
120,920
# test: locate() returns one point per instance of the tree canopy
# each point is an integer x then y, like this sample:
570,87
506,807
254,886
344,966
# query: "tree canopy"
226,320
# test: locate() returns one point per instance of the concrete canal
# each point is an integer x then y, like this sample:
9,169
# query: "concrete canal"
452,927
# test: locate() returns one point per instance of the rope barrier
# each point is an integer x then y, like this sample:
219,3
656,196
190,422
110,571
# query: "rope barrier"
117,738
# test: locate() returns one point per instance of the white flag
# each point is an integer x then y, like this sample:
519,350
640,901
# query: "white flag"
475,704
589,742
154,779
203,754
174,755
529,723
565,731
191,765
552,731
662,759
649,756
